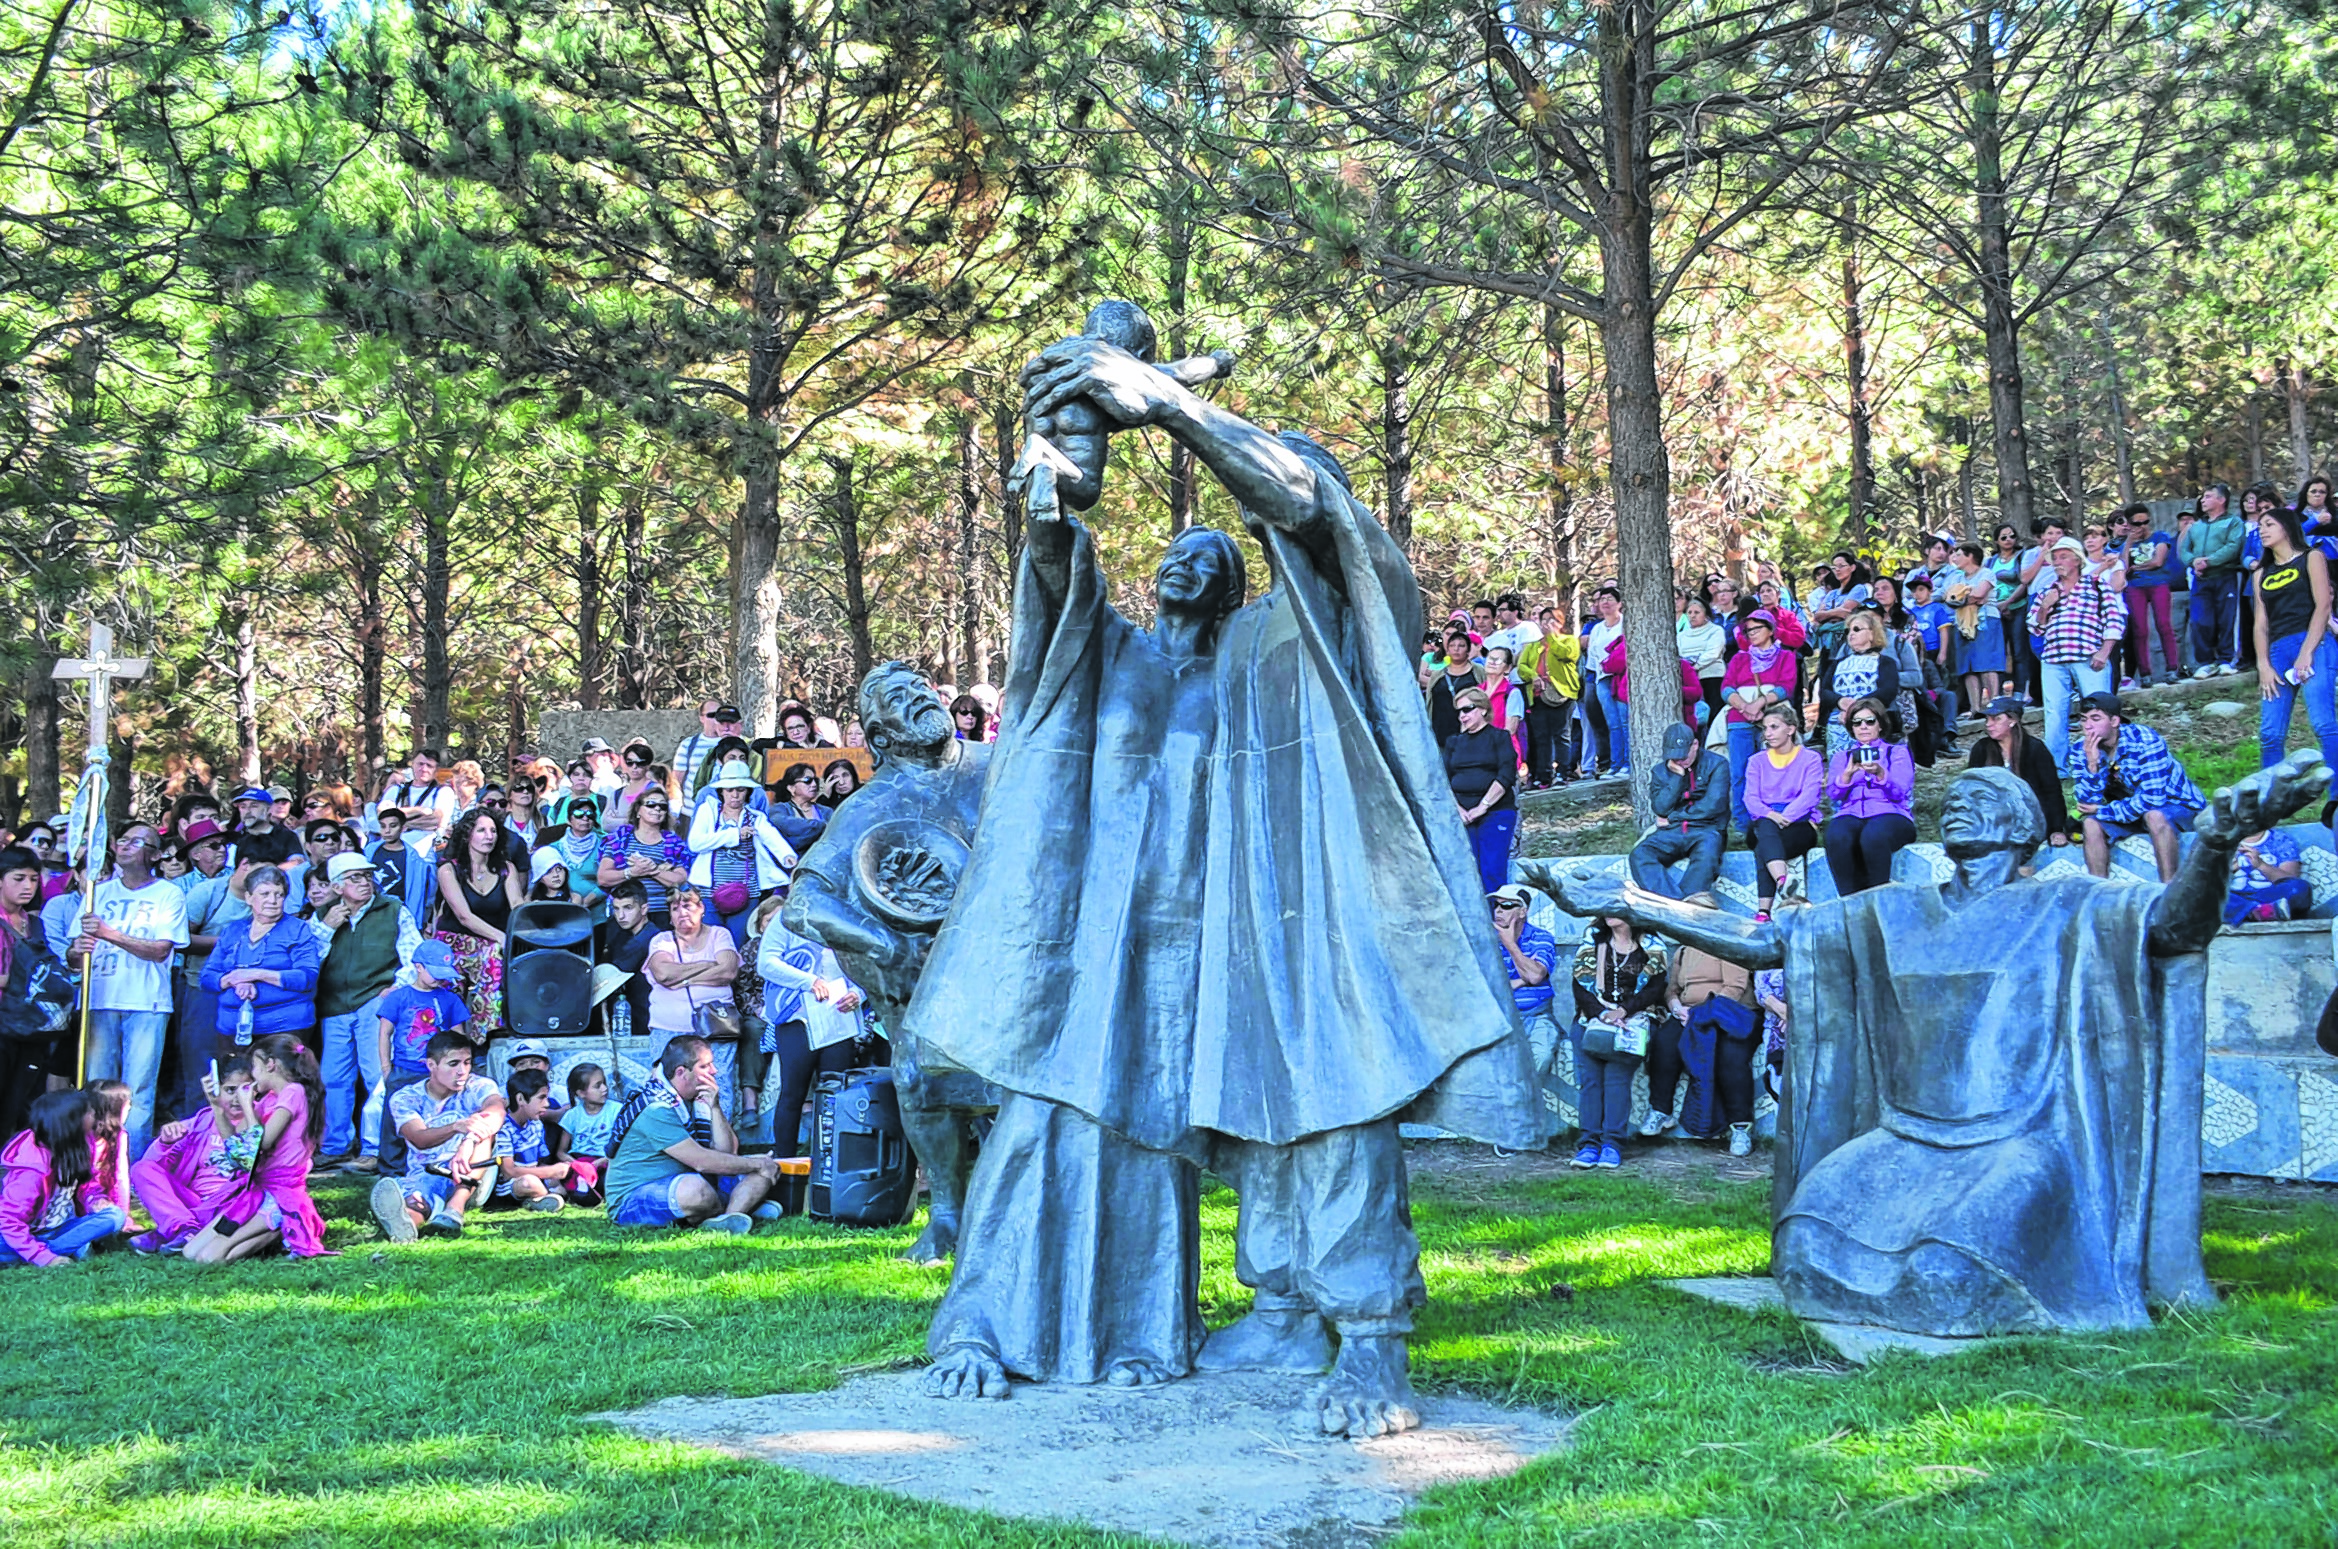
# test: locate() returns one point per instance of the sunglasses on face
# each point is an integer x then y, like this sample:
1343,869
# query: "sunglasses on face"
1866,720
653,806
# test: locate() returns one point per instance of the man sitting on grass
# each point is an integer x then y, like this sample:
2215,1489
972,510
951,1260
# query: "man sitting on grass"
448,1121
673,1159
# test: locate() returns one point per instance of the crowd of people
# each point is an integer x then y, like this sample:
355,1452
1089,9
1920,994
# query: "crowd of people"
231,999
267,998
1803,718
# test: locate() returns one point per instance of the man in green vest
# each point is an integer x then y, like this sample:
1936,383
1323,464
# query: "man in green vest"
367,940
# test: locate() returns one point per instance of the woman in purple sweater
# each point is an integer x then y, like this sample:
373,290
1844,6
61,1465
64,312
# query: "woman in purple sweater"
1872,785
1781,796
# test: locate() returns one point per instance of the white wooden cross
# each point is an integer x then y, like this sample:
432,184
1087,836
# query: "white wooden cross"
101,667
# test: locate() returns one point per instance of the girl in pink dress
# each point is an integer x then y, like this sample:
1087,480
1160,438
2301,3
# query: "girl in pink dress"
109,1110
271,1203
196,1163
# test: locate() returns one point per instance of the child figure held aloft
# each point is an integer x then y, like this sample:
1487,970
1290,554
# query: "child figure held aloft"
53,1203
195,1163
1080,431
270,1204
526,1177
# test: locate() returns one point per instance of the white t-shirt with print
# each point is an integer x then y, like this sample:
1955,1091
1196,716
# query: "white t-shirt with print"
120,980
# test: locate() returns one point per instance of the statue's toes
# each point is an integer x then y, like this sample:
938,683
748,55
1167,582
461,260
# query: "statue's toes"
943,1381
990,1380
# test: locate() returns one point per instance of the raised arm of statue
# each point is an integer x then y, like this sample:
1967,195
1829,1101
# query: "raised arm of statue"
1747,943
815,911
2191,906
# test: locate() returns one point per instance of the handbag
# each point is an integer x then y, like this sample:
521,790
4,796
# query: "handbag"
1630,1037
716,1023
730,897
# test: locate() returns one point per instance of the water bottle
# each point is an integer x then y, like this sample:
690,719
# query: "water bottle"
243,1025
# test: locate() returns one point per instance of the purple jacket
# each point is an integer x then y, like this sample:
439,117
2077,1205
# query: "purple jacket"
1791,792
1863,798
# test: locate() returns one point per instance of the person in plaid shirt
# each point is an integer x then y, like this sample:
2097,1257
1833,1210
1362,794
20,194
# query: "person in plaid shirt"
2129,783
2080,620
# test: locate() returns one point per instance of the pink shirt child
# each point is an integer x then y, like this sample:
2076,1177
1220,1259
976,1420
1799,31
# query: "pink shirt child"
280,1184
183,1182
27,1192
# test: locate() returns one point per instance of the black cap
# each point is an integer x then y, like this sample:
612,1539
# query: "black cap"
727,713
2107,702
2004,704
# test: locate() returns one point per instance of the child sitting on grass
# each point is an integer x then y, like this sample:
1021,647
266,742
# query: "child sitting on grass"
580,1132
271,1203
526,1176
53,1208
448,1121
195,1163
109,1109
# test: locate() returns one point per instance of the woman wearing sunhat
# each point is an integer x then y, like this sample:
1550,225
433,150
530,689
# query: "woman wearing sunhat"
737,857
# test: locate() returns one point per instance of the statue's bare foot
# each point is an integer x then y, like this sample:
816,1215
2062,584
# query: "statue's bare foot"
935,1244
966,1371
1136,1372
1367,1393
1278,1340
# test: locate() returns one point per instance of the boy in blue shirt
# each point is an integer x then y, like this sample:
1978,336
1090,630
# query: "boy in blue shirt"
526,1177
410,1015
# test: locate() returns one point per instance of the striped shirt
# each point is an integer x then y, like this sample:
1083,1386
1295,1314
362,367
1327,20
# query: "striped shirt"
2084,622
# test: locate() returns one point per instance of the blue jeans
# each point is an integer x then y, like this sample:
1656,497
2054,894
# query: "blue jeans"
2065,682
1619,726
2216,619
352,1053
127,1046
1603,1094
197,1015
1744,742
1490,838
76,1237
2321,697
2290,899
1697,851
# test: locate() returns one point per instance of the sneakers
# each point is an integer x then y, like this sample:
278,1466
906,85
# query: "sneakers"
1609,1156
729,1221
1656,1124
146,1244
2204,670
443,1223
1586,1155
363,1164
1741,1140
768,1211
547,1203
389,1210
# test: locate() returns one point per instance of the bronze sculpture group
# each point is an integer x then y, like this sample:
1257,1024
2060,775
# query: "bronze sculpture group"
1206,904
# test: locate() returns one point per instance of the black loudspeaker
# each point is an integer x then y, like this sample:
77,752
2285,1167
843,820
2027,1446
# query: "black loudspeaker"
548,970
863,1172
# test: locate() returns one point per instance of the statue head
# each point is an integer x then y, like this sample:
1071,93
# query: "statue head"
1203,573
1990,810
1122,323
902,716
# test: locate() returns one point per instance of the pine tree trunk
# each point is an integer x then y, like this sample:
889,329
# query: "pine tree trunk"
438,677
1561,509
1641,472
588,596
755,600
43,786
247,693
971,665
373,651
2000,320
1855,381
2253,429
633,609
1396,440
845,514
2122,443
2296,389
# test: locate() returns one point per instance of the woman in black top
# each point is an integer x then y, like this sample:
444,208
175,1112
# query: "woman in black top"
2294,649
478,888
2008,745
1620,986
1459,674
1481,766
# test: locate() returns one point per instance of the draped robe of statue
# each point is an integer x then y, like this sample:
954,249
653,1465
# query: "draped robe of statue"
2010,1143
1225,896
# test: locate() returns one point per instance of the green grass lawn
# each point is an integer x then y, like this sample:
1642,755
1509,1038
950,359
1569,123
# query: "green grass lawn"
433,1394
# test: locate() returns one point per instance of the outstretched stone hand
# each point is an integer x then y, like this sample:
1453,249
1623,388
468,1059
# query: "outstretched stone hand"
1123,388
2263,799
1583,893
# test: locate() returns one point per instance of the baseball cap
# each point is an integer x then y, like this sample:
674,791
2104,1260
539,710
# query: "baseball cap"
437,957
527,1048
279,793
2107,702
2004,704
727,712
1679,740
598,745
1514,893
251,793
347,863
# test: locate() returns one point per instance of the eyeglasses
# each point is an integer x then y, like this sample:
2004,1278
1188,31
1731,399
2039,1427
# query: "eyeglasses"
1866,720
